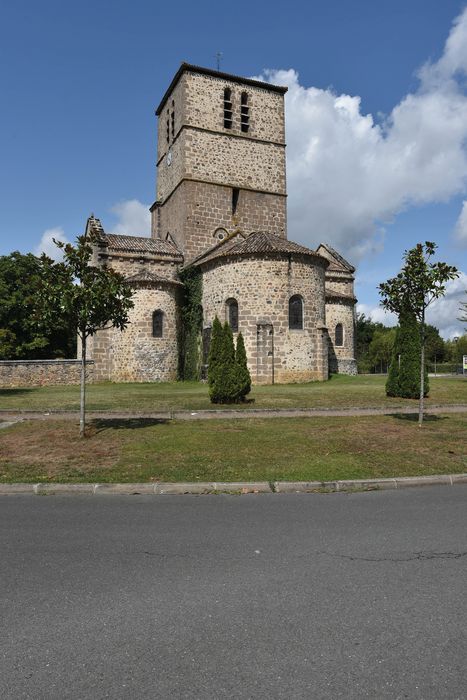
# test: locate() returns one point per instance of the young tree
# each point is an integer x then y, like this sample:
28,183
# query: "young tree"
418,283
91,298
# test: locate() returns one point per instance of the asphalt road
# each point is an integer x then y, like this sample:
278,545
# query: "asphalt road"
310,596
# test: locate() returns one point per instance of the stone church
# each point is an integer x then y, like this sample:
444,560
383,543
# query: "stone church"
221,211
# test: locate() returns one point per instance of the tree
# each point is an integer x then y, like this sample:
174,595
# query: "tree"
435,347
228,376
242,368
20,337
418,283
404,372
380,348
463,309
90,298
365,331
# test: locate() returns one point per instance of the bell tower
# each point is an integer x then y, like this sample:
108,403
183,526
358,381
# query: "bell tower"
220,159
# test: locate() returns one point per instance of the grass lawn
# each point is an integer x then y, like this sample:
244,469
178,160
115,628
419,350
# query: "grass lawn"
340,392
254,449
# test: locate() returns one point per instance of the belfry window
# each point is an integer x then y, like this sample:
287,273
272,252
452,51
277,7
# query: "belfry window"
157,324
244,113
339,335
232,314
227,108
235,196
296,313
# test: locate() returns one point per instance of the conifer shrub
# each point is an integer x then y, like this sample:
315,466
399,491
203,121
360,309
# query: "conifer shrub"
242,368
404,375
228,377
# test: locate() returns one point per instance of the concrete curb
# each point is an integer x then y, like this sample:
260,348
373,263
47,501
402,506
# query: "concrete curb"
234,487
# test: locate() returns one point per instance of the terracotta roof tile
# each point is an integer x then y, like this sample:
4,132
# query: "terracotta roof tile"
139,244
258,242
145,277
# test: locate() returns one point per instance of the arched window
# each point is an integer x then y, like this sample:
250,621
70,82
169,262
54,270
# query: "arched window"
227,108
296,313
244,112
232,314
157,324
339,335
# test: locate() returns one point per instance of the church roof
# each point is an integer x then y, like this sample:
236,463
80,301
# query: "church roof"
258,242
140,244
336,259
145,277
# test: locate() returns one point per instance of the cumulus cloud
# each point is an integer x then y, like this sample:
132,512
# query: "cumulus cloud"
133,218
47,245
349,175
443,313
460,230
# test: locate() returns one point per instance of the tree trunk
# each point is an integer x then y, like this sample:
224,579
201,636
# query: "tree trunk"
422,369
82,404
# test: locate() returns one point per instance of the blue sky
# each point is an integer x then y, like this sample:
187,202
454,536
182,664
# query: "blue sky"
79,83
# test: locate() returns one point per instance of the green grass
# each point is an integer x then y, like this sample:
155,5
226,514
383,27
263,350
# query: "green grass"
339,392
272,449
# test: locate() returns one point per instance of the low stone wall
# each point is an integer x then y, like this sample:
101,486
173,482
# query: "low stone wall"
29,373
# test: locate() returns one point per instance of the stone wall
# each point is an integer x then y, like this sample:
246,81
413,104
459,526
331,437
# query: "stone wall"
341,358
198,213
262,287
30,373
134,355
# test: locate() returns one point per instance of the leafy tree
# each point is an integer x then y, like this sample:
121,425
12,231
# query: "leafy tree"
20,337
418,283
242,367
90,298
380,349
365,330
435,347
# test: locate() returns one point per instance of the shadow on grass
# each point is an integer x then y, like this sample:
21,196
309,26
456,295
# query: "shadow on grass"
16,391
413,417
100,424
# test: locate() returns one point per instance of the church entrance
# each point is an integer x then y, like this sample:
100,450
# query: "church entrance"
265,353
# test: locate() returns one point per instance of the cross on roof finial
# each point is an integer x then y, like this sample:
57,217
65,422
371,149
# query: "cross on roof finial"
219,55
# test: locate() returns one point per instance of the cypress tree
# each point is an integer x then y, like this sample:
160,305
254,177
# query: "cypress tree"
404,375
392,382
242,368
215,350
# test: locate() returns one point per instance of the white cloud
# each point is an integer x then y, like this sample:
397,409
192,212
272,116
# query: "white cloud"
443,313
47,245
133,218
460,230
348,175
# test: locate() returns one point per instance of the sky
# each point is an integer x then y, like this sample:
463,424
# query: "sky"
376,120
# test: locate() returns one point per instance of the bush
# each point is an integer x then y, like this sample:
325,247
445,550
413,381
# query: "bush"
228,377
242,368
404,372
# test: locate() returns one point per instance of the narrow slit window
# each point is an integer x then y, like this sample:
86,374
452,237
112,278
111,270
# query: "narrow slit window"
168,128
235,196
157,324
232,314
172,119
244,113
227,108
339,335
296,313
